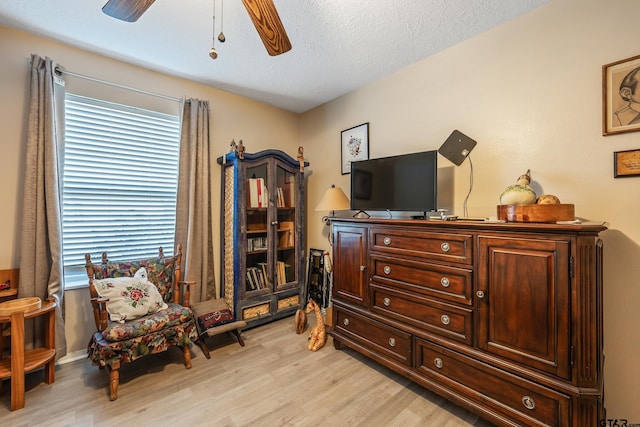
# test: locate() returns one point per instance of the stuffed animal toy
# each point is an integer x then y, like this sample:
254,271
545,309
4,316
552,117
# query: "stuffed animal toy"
318,336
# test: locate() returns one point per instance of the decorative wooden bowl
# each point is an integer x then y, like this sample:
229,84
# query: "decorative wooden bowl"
536,213
20,304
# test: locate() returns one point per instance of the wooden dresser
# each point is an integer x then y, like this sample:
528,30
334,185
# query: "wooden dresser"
504,319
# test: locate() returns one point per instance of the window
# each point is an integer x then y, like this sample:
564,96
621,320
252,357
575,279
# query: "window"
119,183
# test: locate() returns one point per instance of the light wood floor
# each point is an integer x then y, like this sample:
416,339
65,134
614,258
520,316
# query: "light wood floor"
272,381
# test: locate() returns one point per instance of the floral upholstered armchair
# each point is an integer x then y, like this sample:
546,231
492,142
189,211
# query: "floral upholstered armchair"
137,310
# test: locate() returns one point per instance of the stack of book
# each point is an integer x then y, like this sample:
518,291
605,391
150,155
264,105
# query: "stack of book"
286,195
257,195
283,273
257,243
256,278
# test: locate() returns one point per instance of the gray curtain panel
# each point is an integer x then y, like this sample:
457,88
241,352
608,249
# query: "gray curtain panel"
193,210
41,239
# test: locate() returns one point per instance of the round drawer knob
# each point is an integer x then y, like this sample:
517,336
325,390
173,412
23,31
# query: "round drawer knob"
387,241
445,319
480,294
445,247
438,362
528,402
386,302
386,269
445,282
345,322
363,267
392,342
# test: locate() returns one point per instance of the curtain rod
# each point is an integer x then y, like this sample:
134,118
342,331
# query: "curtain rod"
104,82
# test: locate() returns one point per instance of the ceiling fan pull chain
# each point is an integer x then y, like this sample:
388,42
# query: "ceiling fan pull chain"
221,36
212,52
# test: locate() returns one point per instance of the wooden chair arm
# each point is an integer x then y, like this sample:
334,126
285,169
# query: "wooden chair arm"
187,291
100,314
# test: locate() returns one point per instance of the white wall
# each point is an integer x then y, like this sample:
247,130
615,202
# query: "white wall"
530,93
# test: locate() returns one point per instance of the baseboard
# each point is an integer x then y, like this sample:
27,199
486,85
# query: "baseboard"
72,357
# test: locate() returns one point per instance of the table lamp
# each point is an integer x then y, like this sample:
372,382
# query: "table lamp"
333,200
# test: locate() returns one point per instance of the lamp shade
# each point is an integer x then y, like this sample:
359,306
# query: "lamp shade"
333,199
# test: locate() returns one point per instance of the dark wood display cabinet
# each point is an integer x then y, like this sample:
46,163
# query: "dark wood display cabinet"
504,319
262,214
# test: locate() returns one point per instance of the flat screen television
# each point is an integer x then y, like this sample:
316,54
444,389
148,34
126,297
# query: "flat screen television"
406,182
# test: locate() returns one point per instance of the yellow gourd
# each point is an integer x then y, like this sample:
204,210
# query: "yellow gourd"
520,193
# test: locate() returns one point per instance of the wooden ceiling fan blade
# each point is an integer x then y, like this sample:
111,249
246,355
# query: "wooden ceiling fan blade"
126,10
265,18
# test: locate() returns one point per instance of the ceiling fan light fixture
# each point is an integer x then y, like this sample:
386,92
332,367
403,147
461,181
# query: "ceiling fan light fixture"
263,14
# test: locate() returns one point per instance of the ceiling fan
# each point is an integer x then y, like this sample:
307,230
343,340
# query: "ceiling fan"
263,13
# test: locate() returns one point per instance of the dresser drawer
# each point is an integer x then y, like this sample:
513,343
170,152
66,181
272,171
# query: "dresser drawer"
378,337
439,281
449,247
520,400
443,319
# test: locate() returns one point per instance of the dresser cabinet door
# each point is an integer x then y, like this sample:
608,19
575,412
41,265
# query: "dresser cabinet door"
523,300
349,264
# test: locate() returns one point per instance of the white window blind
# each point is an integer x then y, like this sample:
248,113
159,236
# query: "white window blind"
119,183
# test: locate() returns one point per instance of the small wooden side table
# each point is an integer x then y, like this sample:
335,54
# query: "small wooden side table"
9,277
21,361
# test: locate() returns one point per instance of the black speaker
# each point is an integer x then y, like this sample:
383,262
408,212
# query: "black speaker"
457,147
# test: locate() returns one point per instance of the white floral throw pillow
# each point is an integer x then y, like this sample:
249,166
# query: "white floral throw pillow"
130,297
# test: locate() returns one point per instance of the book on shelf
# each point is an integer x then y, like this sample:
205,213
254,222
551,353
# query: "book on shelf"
280,194
263,270
256,280
287,228
262,279
283,273
250,285
279,274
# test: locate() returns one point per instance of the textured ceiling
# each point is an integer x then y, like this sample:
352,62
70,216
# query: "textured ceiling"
338,45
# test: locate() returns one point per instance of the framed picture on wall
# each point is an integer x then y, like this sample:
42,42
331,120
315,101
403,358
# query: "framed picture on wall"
626,163
355,145
621,96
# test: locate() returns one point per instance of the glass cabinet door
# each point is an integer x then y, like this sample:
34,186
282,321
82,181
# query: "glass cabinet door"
285,202
257,279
